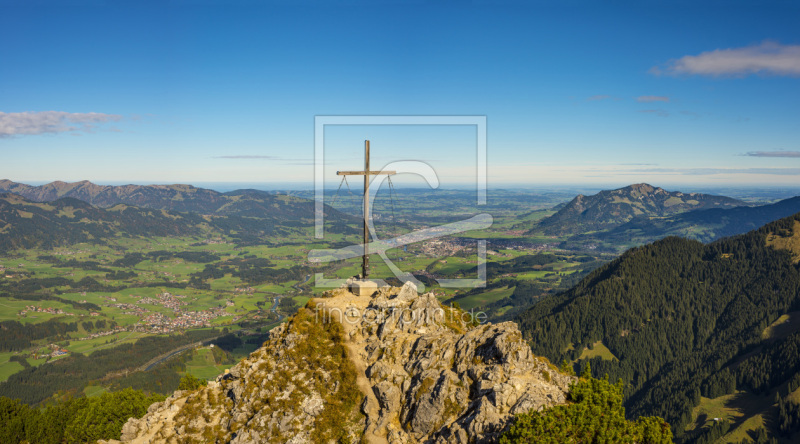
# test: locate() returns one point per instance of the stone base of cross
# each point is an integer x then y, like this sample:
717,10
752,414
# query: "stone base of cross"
363,287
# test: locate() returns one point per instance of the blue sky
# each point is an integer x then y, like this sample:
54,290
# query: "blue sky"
591,93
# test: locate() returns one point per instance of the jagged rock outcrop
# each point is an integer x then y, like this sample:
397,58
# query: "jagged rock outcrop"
396,367
298,388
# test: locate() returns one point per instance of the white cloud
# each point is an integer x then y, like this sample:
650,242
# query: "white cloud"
51,122
766,58
714,171
773,154
598,97
264,157
648,99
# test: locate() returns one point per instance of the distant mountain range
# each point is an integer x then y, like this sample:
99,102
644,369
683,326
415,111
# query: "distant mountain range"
167,197
182,198
612,208
250,217
692,329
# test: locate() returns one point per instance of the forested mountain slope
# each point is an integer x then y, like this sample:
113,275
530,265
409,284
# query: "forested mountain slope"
26,224
683,319
702,225
67,221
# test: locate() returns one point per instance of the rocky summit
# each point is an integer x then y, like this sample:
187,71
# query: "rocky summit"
393,367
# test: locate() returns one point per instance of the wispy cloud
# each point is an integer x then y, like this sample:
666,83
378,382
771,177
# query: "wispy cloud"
263,157
773,154
714,171
648,99
247,156
769,58
598,97
657,112
51,122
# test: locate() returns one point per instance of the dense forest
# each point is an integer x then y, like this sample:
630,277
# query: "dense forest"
75,420
683,319
249,269
15,336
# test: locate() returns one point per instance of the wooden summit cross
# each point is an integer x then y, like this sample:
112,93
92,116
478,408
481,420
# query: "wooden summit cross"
366,173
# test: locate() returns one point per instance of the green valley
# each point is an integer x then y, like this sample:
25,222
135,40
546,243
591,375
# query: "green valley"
82,283
91,303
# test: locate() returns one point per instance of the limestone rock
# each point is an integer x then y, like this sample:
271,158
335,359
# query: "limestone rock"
424,374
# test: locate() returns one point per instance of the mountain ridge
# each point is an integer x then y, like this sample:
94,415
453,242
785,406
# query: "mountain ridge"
68,220
180,198
611,208
704,225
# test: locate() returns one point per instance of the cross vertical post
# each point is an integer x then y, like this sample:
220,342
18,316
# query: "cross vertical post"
366,173
365,258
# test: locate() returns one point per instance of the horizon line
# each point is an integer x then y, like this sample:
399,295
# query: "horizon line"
309,186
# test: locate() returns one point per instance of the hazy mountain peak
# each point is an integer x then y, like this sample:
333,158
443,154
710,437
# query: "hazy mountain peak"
642,187
611,208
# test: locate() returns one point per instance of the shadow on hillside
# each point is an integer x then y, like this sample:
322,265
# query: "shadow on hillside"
750,405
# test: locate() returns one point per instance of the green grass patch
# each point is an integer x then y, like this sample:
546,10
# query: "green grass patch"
301,300
94,390
502,310
598,349
483,299
89,346
747,412
8,368
204,366
783,326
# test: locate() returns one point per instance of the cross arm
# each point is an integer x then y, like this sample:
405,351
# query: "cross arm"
363,173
